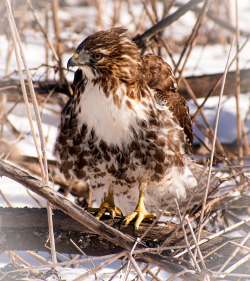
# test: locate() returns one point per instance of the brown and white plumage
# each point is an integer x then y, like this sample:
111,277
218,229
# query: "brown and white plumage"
125,125
160,78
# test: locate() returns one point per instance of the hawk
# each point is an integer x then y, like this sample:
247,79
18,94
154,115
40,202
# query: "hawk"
126,129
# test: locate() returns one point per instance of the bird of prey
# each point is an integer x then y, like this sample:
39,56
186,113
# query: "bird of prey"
126,129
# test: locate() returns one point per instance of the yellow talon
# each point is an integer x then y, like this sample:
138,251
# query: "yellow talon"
108,205
140,213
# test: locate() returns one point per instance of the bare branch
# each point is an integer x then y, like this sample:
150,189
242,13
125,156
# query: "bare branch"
141,40
220,22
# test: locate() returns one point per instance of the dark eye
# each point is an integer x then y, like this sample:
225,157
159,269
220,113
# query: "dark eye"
97,56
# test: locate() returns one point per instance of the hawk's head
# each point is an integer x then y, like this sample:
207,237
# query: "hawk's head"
106,53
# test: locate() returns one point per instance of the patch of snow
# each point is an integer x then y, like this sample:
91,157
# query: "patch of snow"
227,130
212,59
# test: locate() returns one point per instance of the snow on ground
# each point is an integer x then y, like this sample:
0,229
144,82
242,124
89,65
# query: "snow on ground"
68,274
212,59
227,129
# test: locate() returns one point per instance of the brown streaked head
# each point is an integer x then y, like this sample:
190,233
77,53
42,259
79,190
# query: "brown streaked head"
108,52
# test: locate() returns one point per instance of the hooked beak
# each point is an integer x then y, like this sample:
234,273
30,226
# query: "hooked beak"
73,61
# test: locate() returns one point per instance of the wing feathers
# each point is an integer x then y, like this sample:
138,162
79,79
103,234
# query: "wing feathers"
160,78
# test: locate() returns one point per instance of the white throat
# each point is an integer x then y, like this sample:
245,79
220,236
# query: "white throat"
110,122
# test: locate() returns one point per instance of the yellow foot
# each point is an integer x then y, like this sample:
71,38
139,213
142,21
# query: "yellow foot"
112,210
140,215
108,205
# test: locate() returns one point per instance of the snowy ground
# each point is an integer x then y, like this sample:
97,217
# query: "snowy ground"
210,59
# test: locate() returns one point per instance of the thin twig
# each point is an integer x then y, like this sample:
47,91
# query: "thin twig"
214,142
43,31
224,24
57,29
186,238
215,235
137,268
237,264
107,262
190,42
235,252
237,92
142,40
195,242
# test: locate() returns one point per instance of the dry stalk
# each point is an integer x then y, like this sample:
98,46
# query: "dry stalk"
217,83
146,8
22,60
117,5
154,10
136,267
240,246
39,258
39,204
240,276
20,57
215,235
99,13
117,272
25,96
99,267
44,31
174,277
167,6
138,240
65,263
154,277
216,249
81,251
204,118
190,42
200,107
189,250
47,53
237,92
57,30
214,142
128,268
19,259
222,23
235,252
195,242
162,24
237,264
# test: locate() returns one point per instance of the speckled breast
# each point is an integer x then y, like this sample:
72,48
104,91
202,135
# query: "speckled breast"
83,155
